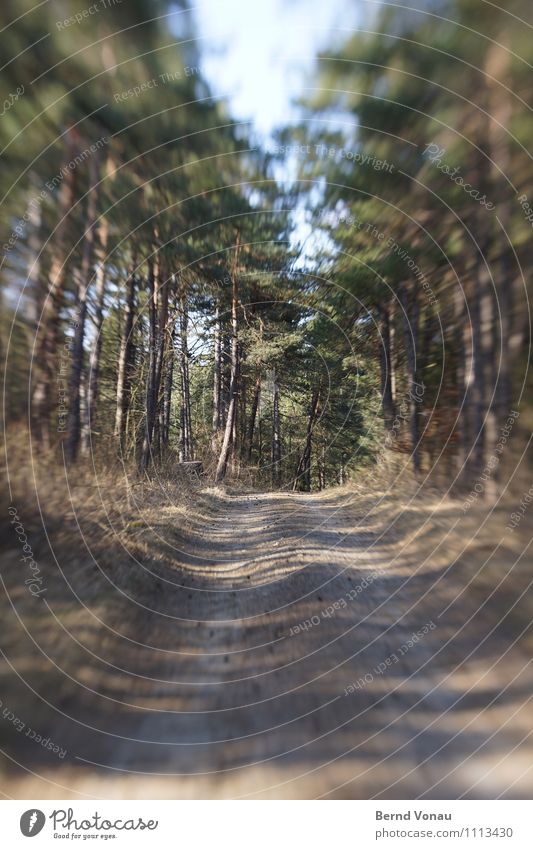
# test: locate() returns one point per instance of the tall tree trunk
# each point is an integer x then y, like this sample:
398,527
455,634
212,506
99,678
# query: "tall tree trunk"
96,350
151,372
186,440
125,360
217,382
276,435
47,336
482,310
497,323
225,378
463,354
168,384
241,426
252,419
321,469
484,375
162,330
511,326
236,416
387,365
410,313
302,478
226,447
33,269
84,279
342,469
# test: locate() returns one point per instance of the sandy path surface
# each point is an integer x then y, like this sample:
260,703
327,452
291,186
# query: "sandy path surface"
227,671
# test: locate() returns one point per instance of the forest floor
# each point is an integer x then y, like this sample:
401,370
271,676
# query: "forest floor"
221,667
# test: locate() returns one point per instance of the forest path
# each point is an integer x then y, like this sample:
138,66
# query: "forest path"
234,677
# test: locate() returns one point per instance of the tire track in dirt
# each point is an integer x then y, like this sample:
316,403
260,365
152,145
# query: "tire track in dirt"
277,666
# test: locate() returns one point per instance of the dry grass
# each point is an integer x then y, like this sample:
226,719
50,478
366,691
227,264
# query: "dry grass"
147,585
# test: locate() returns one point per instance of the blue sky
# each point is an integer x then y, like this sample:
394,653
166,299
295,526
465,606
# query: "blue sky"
261,53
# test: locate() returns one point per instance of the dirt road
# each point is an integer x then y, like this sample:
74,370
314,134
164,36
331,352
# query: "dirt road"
285,646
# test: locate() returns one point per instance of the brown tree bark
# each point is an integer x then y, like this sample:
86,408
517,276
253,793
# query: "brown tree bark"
126,358
157,325
225,378
84,276
186,438
276,432
150,403
511,321
96,350
168,384
47,368
217,381
302,478
410,314
321,469
33,270
229,430
387,365
253,417
463,357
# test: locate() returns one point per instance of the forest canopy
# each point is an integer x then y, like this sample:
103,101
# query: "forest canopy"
161,301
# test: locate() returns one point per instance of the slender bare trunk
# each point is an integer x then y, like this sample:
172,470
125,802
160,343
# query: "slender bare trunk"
234,379
125,360
217,382
276,435
33,271
186,440
96,350
168,385
386,366
410,313
84,276
47,336
321,469
225,378
236,415
462,344
253,417
151,372
302,479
